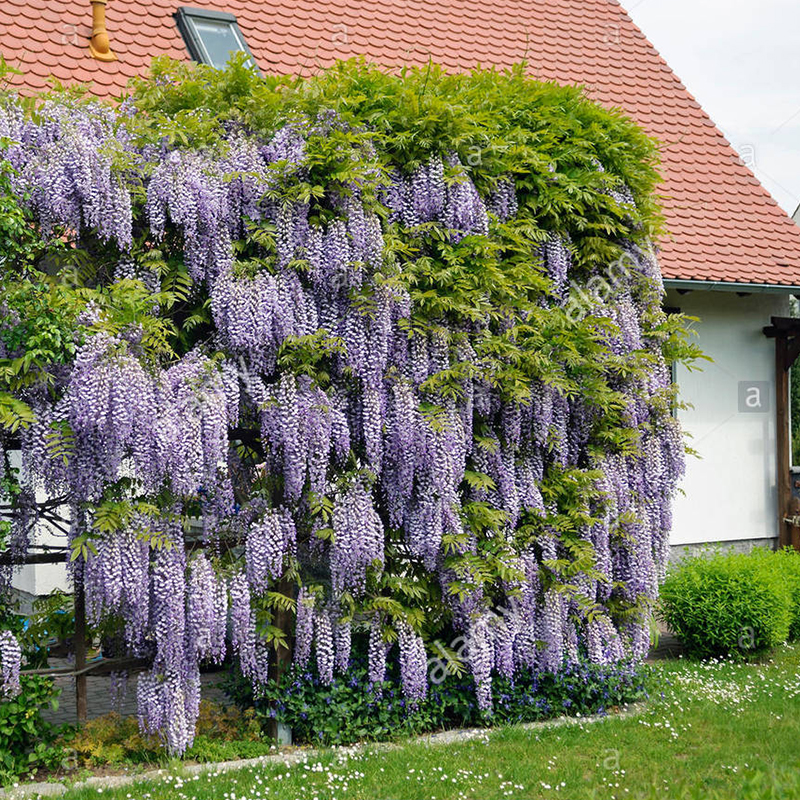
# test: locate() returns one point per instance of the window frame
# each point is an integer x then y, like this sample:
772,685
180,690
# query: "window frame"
184,17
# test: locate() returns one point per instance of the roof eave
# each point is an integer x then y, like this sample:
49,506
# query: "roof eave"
729,286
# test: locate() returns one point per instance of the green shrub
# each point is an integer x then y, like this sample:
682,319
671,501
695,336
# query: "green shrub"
728,604
27,741
787,563
111,740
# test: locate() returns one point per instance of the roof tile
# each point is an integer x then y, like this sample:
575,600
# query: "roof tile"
723,225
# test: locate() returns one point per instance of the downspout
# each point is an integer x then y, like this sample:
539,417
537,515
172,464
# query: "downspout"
99,45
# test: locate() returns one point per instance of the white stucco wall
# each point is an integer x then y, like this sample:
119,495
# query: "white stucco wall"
41,579
730,490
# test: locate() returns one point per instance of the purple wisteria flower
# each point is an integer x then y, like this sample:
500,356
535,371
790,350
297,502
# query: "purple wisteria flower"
10,661
319,427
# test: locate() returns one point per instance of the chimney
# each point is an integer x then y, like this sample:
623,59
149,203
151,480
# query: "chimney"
99,45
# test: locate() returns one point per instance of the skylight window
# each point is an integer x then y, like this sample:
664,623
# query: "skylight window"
211,36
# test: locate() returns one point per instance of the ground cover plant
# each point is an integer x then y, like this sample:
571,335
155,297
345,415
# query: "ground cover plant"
713,730
359,355
351,710
28,742
221,734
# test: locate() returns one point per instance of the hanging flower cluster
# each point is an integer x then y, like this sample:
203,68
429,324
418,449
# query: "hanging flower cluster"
207,610
390,425
269,542
65,167
10,659
117,582
118,419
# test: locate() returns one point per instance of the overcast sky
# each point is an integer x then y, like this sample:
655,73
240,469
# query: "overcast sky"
741,61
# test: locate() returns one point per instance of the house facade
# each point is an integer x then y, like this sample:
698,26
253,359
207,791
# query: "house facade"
730,492
731,257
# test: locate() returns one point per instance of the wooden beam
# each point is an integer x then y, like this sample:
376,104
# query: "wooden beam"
786,325
104,666
35,558
783,475
80,649
281,664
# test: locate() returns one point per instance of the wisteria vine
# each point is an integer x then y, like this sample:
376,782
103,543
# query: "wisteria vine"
351,413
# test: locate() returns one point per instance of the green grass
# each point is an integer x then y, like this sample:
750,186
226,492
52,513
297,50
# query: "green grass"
711,730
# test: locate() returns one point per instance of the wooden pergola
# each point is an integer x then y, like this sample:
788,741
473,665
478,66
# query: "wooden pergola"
81,670
786,333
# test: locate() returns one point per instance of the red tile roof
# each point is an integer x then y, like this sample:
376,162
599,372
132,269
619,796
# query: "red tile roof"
723,225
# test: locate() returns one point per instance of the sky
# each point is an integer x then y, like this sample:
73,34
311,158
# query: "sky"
741,61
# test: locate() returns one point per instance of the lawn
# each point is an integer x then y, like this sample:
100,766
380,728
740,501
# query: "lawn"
711,730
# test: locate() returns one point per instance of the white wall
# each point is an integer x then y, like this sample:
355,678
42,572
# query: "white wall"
730,490
41,579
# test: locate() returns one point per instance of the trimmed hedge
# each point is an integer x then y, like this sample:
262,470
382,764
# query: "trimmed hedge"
733,604
788,562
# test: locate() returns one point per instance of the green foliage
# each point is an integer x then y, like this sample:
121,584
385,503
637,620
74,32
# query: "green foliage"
786,564
19,243
349,710
36,319
111,740
211,748
27,741
52,622
19,247
728,604
550,138
10,620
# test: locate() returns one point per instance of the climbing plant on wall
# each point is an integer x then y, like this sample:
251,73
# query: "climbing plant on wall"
380,354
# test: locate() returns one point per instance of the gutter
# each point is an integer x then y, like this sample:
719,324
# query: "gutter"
729,286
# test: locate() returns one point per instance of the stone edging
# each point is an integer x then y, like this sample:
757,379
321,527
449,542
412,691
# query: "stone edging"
25,791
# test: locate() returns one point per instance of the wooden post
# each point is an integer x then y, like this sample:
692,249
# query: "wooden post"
80,649
783,476
283,655
794,511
